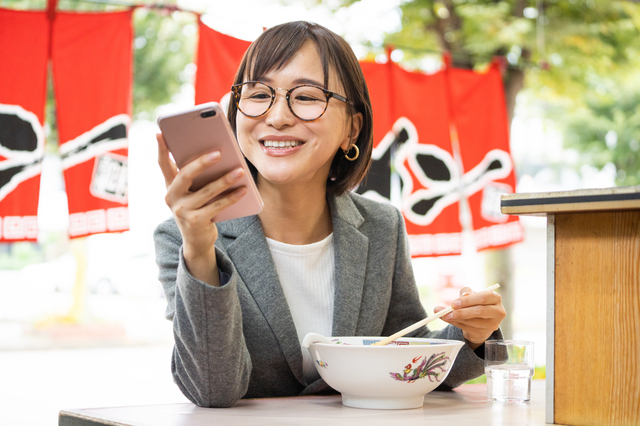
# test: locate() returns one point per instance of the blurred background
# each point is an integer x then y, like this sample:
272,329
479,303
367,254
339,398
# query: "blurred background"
81,321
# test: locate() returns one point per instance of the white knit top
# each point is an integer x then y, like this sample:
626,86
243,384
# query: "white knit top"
306,274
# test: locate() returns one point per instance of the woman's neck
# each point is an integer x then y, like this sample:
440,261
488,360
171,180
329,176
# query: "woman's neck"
295,215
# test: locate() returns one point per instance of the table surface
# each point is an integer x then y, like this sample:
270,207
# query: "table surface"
465,404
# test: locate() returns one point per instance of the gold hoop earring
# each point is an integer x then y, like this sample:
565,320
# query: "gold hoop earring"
355,157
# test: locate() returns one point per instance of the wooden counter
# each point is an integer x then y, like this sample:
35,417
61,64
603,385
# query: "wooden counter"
593,303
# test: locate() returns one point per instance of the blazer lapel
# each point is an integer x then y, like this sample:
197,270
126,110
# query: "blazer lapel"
351,254
252,259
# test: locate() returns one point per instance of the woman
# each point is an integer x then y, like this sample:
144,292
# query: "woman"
243,293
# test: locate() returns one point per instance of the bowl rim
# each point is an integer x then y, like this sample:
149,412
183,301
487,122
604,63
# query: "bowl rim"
440,342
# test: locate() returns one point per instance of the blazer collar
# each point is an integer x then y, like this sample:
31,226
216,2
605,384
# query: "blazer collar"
251,256
351,254
342,209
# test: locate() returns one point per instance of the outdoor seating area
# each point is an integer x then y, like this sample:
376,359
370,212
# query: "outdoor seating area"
266,211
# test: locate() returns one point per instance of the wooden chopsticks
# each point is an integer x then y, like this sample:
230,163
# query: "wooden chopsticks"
422,322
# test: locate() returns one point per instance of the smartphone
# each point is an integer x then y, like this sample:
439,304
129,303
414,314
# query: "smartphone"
204,128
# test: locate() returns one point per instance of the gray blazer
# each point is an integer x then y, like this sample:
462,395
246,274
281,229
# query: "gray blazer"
239,340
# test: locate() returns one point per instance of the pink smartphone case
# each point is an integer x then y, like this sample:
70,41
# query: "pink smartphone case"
204,128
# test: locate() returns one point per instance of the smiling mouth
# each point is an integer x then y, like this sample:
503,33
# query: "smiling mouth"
281,144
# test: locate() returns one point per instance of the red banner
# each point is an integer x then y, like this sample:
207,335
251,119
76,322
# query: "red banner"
92,70
439,140
443,138
24,51
480,116
412,140
218,59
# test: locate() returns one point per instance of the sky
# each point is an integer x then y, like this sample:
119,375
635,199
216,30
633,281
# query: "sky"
245,19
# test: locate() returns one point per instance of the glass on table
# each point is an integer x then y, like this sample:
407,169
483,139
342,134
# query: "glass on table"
509,367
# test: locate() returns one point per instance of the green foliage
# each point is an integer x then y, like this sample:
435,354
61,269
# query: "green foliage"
24,4
472,31
575,38
164,48
574,56
16,256
585,42
607,129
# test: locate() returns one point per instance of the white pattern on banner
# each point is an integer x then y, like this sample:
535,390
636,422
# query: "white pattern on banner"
495,165
498,235
490,206
435,244
118,219
447,244
109,179
22,146
436,171
97,221
19,227
108,136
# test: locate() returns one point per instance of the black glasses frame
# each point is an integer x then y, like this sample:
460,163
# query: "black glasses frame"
236,89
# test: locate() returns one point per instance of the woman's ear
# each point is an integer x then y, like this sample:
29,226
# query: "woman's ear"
352,137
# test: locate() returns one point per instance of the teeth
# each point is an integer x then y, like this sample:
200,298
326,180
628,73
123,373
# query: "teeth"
281,144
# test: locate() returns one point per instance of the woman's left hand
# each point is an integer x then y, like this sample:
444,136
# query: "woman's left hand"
478,315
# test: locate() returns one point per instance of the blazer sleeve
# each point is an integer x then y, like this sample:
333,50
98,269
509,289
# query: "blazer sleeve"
405,309
210,362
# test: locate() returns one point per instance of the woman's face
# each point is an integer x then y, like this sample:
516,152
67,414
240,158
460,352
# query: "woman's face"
309,146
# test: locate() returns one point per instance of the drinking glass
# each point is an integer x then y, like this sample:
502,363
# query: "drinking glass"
509,367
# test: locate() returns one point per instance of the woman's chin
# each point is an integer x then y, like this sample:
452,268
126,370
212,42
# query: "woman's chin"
278,178
282,180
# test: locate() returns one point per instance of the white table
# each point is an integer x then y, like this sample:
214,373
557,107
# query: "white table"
467,405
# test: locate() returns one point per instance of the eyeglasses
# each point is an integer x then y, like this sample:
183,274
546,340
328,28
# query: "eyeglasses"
307,102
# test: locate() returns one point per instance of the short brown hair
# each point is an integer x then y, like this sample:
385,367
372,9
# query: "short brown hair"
276,46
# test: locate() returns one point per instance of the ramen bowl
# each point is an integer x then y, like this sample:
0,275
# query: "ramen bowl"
395,376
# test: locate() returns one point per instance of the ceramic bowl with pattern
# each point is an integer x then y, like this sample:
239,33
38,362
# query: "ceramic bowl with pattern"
396,376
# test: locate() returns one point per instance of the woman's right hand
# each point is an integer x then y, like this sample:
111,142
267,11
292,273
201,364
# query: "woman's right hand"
192,211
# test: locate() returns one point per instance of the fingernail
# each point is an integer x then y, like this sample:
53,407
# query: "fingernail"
214,155
241,191
466,293
236,173
456,303
448,317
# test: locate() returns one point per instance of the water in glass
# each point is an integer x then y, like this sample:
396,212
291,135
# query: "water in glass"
508,383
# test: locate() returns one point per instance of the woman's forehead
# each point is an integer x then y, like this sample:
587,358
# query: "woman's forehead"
304,67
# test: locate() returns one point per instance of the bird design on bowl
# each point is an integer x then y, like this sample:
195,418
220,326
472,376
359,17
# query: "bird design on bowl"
430,368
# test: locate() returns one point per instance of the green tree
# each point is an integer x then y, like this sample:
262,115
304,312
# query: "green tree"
164,48
575,56
606,130
558,45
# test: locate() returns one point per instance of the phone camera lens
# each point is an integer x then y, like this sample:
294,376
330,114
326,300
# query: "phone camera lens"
210,113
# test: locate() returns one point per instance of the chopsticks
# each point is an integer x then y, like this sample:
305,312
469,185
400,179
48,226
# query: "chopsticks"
425,321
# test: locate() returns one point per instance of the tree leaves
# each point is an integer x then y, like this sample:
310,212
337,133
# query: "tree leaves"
164,47
566,52
607,130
